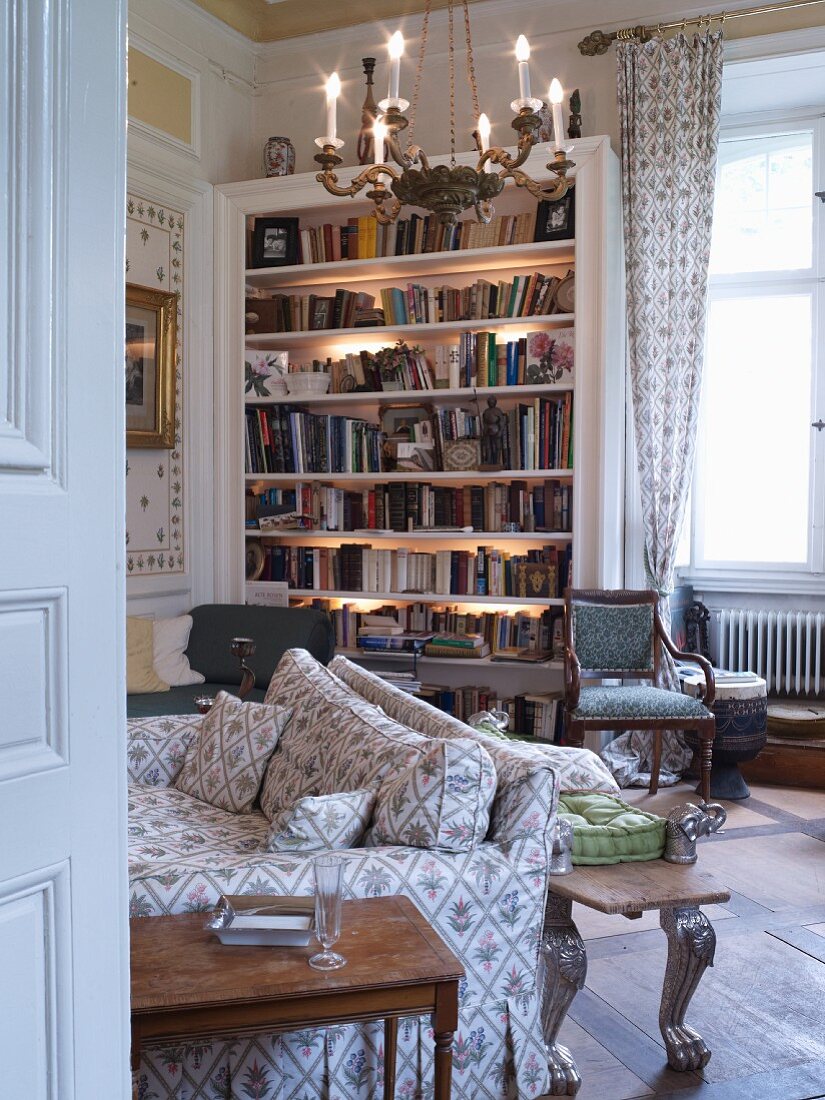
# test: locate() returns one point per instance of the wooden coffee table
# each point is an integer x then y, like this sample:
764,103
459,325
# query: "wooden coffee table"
187,985
629,889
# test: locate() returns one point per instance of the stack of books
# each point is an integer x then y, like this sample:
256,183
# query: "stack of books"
457,645
535,716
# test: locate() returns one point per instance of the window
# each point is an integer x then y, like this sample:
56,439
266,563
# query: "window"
758,492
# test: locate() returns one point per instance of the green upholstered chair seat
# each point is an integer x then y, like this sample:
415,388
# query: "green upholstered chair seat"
637,703
180,700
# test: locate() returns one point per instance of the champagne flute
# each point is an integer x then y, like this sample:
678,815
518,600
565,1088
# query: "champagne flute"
328,881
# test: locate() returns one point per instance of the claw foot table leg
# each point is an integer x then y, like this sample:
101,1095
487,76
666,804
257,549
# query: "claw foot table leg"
691,943
565,968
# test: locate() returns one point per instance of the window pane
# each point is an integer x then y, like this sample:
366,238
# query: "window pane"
756,430
763,216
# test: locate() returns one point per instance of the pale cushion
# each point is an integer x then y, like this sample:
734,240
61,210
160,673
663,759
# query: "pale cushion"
607,830
638,702
442,801
322,822
141,678
170,637
336,740
225,764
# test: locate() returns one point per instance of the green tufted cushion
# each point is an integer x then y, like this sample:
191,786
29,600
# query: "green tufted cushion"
637,702
607,830
606,636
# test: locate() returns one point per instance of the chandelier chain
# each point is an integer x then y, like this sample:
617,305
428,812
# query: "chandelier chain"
422,49
471,72
451,55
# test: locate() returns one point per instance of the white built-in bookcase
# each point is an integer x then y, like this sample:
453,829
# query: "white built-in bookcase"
598,408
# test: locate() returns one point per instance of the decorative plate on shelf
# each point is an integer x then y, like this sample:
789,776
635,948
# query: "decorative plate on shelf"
565,298
255,559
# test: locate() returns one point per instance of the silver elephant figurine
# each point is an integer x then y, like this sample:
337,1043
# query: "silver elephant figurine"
561,855
686,824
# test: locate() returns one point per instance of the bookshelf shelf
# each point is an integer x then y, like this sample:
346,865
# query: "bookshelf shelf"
417,536
474,662
459,477
420,263
376,334
427,597
395,397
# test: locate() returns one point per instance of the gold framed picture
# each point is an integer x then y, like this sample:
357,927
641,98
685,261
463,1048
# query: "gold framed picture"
151,334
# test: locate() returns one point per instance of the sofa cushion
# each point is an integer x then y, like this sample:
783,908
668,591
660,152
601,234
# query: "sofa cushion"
578,769
323,822
141,678
225,764
638,702
336,740
170,638
607,830
441,801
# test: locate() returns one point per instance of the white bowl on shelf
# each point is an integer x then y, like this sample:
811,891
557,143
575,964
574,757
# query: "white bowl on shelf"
306,382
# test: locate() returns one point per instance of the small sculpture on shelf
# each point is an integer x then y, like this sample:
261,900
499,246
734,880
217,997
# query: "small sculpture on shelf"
493,421
574,126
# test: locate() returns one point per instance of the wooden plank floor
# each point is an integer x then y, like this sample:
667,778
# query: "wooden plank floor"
761,1008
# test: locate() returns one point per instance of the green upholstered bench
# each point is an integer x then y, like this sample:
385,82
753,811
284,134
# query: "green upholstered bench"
273,629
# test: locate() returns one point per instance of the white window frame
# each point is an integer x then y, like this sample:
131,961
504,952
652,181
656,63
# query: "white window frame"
781,578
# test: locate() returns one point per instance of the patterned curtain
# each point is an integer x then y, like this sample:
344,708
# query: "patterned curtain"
669,99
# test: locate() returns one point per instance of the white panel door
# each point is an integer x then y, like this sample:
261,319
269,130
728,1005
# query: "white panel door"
63,899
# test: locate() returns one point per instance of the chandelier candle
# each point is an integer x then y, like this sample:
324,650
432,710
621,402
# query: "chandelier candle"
395,50
333,91
379,133
484,138
556,95
523,57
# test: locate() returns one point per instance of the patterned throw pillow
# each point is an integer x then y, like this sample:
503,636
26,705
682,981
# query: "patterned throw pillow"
442,801
226,763
324,822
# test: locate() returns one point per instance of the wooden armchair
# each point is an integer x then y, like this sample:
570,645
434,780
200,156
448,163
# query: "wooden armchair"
615,635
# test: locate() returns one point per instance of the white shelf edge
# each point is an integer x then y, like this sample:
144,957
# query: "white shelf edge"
419,263
424,477
416,536
330,335
475,662
381,397
422,597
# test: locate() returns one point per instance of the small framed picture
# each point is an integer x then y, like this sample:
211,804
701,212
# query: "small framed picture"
265,372
275,242
151,323
556,218
321,316
407,423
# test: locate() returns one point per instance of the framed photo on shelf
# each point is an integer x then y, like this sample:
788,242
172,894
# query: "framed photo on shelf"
556,218
321,316
275,242
150,345
409,443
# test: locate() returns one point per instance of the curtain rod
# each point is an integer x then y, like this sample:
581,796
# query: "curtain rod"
599,41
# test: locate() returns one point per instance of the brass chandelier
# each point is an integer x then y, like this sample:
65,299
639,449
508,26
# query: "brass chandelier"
446,190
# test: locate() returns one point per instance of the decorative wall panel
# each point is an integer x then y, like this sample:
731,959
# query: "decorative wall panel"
154,478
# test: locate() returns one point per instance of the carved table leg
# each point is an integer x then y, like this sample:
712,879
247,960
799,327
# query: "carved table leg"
691,943
565,967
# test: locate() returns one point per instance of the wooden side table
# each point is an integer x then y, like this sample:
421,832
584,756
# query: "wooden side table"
630,889
187,985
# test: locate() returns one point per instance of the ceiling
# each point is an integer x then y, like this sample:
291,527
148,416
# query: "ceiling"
272,20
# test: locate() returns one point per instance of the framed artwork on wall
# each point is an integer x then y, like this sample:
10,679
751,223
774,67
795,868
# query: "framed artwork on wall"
151,334
275,242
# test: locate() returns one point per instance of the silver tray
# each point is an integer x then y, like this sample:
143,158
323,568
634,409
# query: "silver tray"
260,920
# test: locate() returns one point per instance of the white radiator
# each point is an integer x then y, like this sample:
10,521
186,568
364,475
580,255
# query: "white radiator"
783,647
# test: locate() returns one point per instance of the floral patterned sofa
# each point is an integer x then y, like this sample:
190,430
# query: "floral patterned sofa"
350,730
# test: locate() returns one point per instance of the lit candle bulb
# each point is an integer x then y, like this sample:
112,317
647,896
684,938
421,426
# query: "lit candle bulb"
333,91
379,133
395,50
556,95
484,138
523,56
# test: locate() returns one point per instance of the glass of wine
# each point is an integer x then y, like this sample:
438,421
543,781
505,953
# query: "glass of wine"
329,872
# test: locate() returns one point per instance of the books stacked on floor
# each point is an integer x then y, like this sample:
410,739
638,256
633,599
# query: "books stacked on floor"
457,646
359,567
537,716
362,238
500,629
410,506
287,440
528,295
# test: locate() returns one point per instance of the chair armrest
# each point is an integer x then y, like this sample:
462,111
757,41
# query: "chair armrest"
572,678
697,658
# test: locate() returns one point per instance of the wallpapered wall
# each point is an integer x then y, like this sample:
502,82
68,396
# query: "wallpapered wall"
154,478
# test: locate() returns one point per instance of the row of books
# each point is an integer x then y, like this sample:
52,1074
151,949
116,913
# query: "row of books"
502,630
359,567
531,715
526,296
535,435
363,238
416,506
